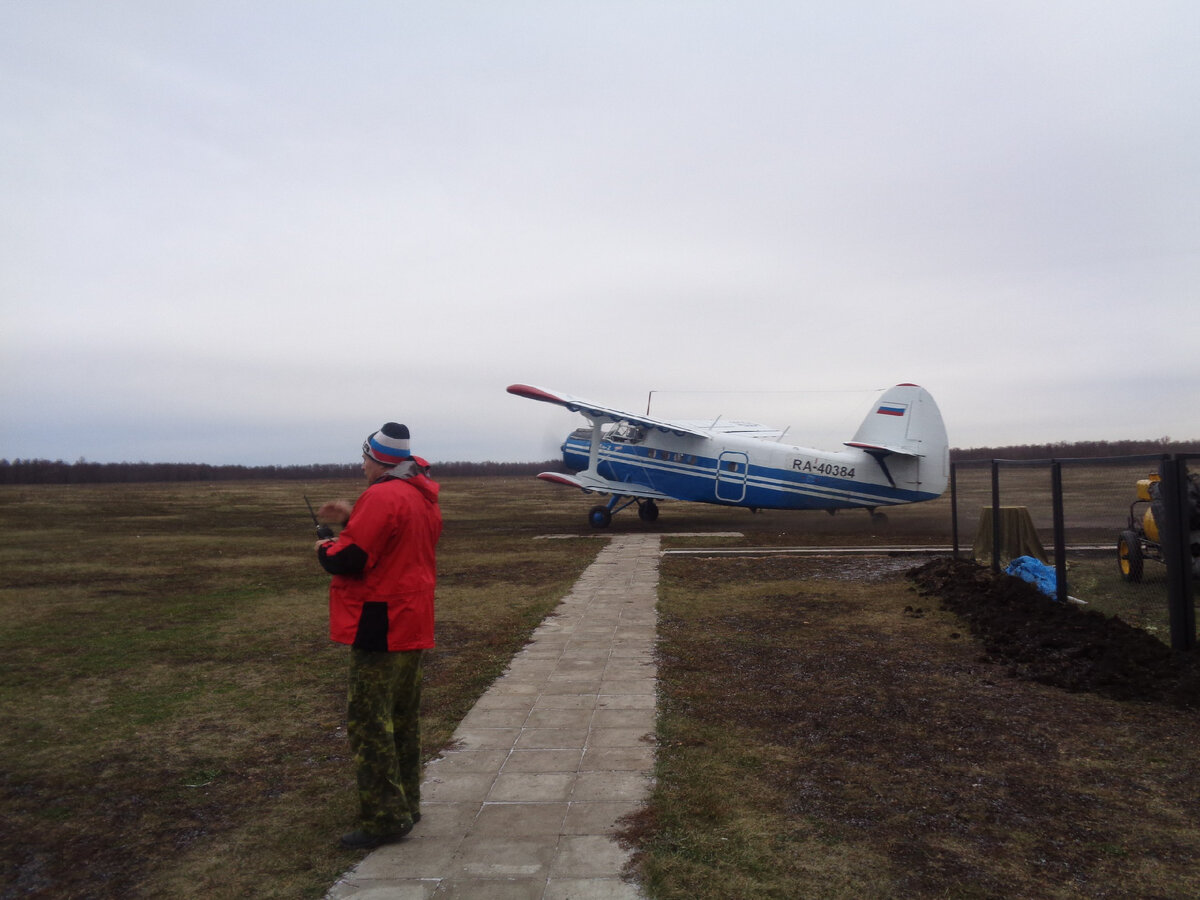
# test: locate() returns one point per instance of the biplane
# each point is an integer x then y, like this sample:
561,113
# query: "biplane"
900,454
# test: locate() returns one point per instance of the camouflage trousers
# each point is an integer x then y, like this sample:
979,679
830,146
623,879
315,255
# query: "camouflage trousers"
384,727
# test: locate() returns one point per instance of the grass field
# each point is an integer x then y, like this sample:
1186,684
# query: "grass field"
171,708
172,711
825,732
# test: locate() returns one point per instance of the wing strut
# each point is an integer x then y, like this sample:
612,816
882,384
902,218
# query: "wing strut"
594,449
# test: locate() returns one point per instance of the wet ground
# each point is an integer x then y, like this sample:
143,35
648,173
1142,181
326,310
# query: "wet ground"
1060,644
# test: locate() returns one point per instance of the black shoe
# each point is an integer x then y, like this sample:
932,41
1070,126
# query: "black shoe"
361,840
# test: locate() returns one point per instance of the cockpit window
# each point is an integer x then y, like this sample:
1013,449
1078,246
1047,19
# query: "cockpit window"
626,433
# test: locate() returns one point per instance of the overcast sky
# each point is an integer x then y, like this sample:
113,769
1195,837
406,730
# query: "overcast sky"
252,232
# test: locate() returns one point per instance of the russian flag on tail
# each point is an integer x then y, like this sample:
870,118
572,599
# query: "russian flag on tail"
891,409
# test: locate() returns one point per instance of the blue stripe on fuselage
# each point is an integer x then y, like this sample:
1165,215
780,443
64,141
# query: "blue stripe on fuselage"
690,477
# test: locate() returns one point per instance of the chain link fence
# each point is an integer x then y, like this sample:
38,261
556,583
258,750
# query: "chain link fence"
1087,519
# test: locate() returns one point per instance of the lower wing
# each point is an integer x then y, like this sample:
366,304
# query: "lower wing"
595,484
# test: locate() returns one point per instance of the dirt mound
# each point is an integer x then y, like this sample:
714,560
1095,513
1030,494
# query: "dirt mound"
1060,644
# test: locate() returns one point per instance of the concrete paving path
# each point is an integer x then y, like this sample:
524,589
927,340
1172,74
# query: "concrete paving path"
556,751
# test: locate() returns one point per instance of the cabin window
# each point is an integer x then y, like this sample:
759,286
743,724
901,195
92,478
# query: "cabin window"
668,456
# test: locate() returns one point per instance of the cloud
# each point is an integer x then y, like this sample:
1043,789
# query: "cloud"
232,230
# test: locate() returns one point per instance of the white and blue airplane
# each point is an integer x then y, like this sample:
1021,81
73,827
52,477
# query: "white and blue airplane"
899,455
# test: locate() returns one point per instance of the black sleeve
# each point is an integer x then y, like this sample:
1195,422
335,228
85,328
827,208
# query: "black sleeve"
350,560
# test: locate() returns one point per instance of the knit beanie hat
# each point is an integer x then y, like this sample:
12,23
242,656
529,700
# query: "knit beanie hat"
389,445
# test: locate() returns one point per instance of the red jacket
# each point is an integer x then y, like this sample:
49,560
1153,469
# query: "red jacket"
384,567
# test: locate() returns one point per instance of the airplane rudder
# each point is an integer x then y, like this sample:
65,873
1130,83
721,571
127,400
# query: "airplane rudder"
930,430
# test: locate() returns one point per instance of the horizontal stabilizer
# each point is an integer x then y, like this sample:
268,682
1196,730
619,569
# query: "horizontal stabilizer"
879,448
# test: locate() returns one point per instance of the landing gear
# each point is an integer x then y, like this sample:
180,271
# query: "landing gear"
601,516
878,518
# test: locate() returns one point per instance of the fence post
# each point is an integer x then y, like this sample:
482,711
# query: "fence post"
1060,532
1177,552
954,505
995,517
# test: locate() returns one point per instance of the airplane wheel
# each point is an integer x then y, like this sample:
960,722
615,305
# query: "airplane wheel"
599,517
648,511
1129,556
879,518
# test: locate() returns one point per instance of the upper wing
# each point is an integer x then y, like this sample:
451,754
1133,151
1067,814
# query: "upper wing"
598,413
731,426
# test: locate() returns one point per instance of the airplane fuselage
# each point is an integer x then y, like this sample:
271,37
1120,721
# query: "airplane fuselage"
741,471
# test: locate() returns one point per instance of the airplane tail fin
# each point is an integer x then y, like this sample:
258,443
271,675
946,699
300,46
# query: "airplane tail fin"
906,421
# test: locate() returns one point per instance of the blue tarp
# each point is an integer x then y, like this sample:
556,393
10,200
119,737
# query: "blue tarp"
1035,572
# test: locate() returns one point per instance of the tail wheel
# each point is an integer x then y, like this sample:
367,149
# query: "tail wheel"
1129,556
599,517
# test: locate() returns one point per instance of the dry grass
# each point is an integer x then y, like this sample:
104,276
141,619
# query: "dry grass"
171,710
828,733
832,737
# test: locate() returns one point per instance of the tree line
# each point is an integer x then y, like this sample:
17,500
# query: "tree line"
44,471
1076,450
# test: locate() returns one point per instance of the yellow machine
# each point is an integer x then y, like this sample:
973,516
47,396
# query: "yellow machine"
1149,526
1140,540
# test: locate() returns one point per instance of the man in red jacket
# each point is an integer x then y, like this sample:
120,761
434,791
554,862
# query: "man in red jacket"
381,603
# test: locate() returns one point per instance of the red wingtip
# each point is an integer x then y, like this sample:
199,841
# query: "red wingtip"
532,393
555,478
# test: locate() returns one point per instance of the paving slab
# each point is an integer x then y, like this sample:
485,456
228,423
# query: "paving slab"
527,802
